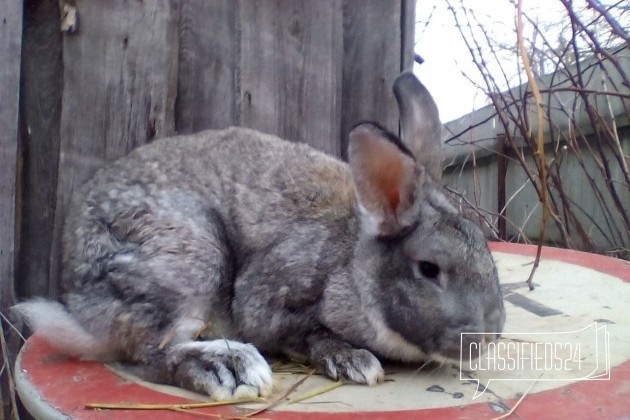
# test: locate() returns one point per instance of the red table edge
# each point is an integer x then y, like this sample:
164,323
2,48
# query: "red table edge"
613,266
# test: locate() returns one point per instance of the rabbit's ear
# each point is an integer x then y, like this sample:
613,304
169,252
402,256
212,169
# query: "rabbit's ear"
386,178
421,129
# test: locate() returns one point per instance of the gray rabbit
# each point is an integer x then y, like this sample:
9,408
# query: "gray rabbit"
179,253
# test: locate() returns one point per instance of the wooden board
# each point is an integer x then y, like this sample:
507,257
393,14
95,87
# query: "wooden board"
120,81
10,54
408,30
371,62
42,84
11,12
208,52
290,70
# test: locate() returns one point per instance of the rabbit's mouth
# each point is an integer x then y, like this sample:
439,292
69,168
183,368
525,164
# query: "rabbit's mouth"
471,346
453,345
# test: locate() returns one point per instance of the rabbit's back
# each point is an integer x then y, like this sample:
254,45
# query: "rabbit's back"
214,163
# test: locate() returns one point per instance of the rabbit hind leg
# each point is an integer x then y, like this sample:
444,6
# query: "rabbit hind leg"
152,301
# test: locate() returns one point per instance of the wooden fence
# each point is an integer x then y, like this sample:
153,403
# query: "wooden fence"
122,73
134,71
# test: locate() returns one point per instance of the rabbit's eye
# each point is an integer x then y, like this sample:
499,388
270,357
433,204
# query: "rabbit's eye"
429,270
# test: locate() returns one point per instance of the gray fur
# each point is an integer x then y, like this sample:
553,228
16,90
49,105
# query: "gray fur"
234,236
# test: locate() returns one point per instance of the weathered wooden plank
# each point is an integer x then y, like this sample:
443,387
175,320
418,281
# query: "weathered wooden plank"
120,80
371,61
42,74
11,12
290,69
408,31
208,51
10,54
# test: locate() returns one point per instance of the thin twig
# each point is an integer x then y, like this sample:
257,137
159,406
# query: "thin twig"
316,392
590,91
9,372
281,398
540,144
10,324
187,406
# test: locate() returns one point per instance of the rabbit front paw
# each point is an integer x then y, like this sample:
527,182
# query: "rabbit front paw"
353,365
222,369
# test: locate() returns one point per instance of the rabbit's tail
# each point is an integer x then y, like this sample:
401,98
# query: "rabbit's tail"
52,321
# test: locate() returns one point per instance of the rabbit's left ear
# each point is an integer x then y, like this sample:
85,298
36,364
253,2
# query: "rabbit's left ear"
386,178
420,123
